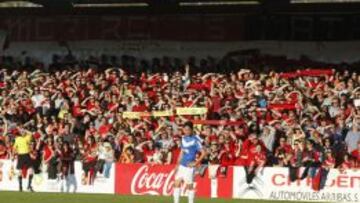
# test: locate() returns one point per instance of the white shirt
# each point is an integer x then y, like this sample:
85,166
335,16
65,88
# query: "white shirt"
351,140
58,103
166,143
269,139
334,111
37,100
157,157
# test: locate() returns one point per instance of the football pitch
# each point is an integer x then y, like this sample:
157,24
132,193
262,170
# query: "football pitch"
25,197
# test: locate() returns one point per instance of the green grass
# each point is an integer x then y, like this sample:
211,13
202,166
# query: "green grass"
25,197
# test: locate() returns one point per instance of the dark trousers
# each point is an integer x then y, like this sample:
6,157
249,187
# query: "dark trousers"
323,177
293,173
310,169
100,166
250,175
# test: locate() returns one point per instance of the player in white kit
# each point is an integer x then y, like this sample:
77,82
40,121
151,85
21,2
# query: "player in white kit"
185,170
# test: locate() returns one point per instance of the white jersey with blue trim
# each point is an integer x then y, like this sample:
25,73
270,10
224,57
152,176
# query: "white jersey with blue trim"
190,146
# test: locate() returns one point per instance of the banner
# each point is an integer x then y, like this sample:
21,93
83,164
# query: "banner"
307,72
273,184
316,72
41,183
217,122
138,115
131,115
139,179
161,113
191,111
281,107
179,111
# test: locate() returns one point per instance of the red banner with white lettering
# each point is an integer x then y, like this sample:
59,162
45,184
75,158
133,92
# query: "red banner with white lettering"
139,179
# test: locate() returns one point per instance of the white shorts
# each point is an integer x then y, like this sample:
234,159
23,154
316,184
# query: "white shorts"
185,174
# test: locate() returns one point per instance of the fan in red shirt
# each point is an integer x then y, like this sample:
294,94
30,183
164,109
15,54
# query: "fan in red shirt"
67,158
294,159
48,150
226,155
89,160
216,102
356,155
327,164
76,109
329,161
176,150
90,105
311,160
104,128
138,106
257,160
112,105
249,148
348,163
3,150
253,157
147,149
49,157
282,151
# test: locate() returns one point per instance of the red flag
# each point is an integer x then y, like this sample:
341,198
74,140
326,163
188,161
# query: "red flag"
316,180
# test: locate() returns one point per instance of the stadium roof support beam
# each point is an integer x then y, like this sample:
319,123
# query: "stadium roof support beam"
110,5
218,3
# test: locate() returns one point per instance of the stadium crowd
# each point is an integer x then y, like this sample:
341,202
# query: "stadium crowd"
305,117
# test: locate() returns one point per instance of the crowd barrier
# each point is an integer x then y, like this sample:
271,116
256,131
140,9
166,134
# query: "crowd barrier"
272,183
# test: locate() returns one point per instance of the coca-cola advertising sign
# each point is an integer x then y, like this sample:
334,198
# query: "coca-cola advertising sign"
145,182
137,179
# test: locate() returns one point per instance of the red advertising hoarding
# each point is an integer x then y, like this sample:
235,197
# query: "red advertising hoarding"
138,179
